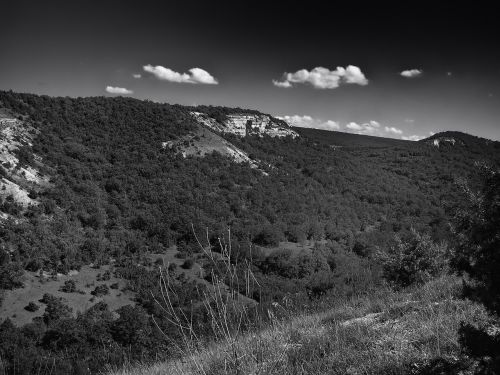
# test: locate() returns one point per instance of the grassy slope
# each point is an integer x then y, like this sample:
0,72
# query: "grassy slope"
388,332
14,301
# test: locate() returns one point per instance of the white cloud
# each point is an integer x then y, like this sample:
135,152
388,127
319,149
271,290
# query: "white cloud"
195,75
412,137
323,78
118,90
354,126
137,76
367,128
310,122
411,73
372,128
393,130
331,125
284,84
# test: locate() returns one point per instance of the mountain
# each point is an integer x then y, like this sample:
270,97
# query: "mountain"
459,139
97,192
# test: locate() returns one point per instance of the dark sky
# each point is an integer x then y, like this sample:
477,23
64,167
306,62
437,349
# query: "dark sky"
78,48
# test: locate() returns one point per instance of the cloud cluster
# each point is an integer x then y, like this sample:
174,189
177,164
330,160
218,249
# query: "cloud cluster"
323,78
393,130
411,73
118,90
372,127
195,75
367,128
136,75
310,122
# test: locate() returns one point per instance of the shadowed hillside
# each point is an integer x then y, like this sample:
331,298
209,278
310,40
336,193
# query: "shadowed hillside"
335,138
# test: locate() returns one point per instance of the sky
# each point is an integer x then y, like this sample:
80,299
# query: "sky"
403,70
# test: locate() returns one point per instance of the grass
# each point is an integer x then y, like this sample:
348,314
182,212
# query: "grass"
384,333
35,287
13,302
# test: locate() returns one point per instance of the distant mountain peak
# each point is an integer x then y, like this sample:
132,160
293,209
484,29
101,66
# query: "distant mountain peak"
455,138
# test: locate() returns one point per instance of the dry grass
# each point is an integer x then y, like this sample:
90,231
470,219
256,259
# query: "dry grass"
35,287
386,333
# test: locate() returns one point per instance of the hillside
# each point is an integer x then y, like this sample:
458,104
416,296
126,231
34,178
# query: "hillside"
408,332
341,139
99,193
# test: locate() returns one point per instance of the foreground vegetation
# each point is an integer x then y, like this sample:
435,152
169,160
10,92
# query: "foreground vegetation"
413,331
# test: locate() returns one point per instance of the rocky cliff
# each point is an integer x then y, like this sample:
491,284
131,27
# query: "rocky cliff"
244,124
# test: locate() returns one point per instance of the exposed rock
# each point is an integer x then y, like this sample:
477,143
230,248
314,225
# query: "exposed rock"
17,179
205,142
441,141
247,124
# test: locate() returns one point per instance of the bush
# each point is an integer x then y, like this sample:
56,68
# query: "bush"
55,309
172,267
188,264
68,287
268,236
159,262
32,307
478,255
11,276
100,290
415,260
104,277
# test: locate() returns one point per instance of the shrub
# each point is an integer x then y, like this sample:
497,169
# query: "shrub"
34,265
104,277
100,290
478,255
414,260
172,267
55,309
11,276
32,307
268,236
68,287
159,262
188,264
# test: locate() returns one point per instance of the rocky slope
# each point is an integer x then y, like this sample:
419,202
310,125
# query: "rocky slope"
19,180
244,124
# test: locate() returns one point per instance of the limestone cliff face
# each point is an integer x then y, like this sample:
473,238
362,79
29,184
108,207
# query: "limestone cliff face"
439,141
17,178
247,124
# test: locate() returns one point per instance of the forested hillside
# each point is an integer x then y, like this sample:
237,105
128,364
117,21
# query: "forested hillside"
114,195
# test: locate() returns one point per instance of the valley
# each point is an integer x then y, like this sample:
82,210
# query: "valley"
127,225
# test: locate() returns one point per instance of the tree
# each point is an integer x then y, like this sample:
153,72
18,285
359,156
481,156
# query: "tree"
55,309
478,255
132,327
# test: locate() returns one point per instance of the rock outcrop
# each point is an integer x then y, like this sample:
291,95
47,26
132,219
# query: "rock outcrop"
244,124
17,178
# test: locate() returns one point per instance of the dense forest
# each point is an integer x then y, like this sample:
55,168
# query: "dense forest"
115,194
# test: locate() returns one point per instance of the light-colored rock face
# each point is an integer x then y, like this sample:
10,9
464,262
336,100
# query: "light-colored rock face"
204,142
17,179
246,124
444,140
